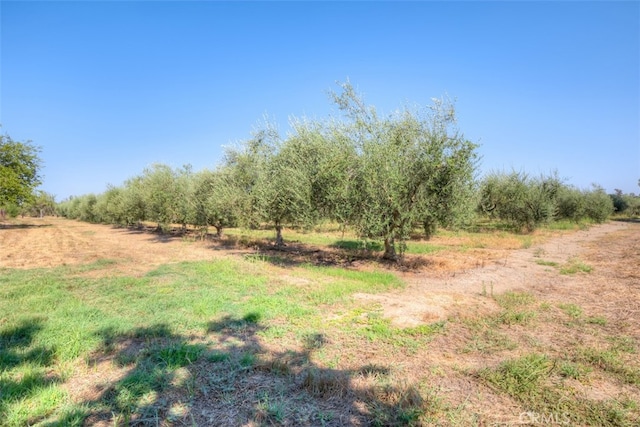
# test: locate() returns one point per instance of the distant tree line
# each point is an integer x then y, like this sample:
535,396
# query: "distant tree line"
383,177
527,203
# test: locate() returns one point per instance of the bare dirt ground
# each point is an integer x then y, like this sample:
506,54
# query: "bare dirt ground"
612,250
52,242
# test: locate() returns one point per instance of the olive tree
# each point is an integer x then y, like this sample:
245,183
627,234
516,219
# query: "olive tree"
285,190
246,165
405,167
599,206
167,195
216,200
521,201
110,206
133,203
281,180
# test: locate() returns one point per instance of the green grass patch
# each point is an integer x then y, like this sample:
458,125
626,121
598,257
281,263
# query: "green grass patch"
514,305
373,327
358,245
546,263
596,320
335,285
520,377
572,370
572,310
178,355
528,379
423,248
612,361
575,266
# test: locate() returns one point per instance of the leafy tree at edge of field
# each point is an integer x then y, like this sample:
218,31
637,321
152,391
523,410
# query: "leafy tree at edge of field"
19,173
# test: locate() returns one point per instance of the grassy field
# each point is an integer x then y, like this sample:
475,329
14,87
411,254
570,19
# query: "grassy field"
251,338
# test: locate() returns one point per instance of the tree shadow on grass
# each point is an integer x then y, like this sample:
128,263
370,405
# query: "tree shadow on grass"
235,379
28,363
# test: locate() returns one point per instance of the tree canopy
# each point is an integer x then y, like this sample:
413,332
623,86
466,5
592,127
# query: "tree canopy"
19,171
410,167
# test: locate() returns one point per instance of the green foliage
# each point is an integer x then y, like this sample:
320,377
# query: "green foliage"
246,165
167,194
380,177
273,180
110,206
571,204
19,171
576,205
40,205
574,265
216,200
626,204
285,190
523,202
599,205
408,168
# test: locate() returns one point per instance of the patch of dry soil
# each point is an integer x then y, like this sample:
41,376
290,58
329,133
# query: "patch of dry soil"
52,242
610,249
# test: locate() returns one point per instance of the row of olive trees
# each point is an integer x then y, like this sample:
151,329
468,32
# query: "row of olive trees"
526,202
162,195
382,176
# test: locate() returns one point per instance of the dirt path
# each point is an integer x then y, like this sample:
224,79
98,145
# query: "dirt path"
428,298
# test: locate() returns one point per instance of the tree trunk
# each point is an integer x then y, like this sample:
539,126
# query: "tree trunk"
279,239
390,249
218,231
429,228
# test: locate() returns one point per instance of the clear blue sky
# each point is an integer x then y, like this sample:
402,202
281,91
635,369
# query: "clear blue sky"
108,88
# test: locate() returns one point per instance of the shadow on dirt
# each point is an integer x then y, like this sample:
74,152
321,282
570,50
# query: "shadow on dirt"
341,253
628,220
236,380
22,226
